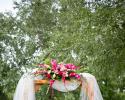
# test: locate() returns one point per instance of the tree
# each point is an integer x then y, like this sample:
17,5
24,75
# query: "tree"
71,31
16,54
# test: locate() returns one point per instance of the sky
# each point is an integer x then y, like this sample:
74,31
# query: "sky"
6,5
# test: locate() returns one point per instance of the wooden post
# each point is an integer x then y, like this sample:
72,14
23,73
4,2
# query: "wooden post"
38,84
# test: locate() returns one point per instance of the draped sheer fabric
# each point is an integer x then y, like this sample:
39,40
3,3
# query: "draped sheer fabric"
89,88
25,88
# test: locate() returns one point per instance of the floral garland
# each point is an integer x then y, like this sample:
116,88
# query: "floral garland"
58,71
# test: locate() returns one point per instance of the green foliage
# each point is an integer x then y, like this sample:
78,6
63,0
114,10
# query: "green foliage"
16,52
92,37
56,95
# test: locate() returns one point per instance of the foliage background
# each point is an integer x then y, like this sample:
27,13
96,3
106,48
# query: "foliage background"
88,34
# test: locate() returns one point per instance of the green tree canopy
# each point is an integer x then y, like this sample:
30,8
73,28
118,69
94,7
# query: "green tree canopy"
88,34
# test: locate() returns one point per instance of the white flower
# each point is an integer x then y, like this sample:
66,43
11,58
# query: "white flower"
49,71
54,75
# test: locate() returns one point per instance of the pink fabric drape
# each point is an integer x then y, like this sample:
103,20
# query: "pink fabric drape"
90,89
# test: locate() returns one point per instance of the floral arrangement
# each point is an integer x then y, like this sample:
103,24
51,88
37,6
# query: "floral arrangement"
58,71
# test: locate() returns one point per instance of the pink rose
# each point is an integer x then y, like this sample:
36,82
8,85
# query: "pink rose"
77,76
71,66
72,74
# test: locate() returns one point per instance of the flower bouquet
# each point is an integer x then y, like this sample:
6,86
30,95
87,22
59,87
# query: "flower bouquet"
61,76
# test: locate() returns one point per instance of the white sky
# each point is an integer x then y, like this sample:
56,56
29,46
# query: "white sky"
6,5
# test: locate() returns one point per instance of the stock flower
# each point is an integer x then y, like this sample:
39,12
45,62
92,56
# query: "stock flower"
54,64
62,67
56,71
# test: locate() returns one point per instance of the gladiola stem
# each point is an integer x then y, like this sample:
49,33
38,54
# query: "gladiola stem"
47,90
